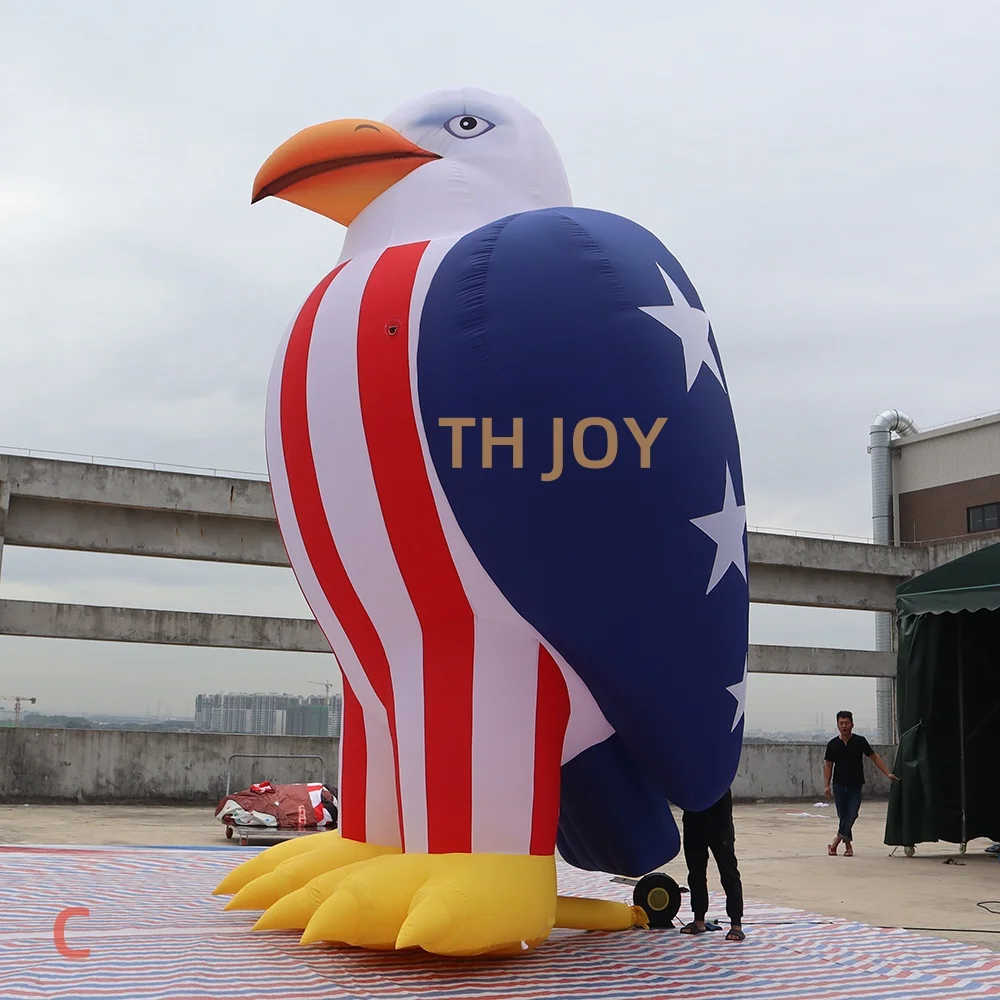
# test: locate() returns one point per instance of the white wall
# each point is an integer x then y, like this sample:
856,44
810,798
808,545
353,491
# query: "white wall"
946,457
795,771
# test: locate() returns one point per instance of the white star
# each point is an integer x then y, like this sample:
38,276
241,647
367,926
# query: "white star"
726,528
739,692
691,326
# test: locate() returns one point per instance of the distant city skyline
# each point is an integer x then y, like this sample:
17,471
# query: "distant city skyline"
103,678
759,718
269,714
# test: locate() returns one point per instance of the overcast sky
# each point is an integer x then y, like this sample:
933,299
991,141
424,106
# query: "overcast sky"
826,174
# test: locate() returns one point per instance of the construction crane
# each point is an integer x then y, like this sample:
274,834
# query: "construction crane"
324,684
17,699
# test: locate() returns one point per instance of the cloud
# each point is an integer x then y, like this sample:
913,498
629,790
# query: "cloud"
825,175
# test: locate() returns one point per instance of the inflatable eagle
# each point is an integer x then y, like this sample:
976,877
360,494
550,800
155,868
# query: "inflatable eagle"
507,475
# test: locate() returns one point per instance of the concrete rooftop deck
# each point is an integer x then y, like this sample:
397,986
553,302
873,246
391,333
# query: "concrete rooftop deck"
782,856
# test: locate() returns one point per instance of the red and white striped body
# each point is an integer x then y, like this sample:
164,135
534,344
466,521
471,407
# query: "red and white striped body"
457,715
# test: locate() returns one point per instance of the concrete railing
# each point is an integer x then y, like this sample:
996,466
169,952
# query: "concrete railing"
90,507
795,771
122,766
76,506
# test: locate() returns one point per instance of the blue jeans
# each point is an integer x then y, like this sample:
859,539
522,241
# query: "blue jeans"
848,802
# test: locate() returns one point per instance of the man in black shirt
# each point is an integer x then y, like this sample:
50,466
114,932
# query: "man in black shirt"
844,765
712,829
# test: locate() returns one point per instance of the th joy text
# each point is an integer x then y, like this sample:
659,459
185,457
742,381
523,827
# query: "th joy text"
601,449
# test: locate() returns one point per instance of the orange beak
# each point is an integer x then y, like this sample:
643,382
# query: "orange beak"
338,168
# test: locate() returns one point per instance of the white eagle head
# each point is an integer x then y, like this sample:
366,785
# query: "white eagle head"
443,164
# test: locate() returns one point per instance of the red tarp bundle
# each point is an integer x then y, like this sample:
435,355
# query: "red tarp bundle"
298,806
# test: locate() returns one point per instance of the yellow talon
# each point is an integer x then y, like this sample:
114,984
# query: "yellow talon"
268,860
294,911
288,914
382,890
340,919
296,872
427,925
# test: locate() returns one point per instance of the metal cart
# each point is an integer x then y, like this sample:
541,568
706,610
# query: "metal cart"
267,834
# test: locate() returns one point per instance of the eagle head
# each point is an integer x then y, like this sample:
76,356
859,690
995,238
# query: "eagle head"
443,164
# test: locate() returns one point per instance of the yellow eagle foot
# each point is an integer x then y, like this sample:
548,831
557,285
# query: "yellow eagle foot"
448,904
267,878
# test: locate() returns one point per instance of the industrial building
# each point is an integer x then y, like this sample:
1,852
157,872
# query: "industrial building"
946,482
931,486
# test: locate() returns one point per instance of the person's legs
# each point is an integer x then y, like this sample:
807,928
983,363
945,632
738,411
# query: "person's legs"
838,802
696,858
841,797
724,852
852,806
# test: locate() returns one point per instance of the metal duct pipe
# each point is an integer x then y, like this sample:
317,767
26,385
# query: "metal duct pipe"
880,437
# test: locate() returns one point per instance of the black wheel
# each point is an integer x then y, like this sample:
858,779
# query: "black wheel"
660,898
229,833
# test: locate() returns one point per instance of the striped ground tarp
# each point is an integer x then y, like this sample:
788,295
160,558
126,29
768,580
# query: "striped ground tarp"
152,931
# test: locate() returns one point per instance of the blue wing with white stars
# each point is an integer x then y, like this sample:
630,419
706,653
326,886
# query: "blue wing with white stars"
621,535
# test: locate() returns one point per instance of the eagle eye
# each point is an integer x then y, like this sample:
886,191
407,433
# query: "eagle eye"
468,126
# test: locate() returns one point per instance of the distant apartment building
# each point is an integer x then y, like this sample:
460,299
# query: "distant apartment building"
946,482
335,724
269,714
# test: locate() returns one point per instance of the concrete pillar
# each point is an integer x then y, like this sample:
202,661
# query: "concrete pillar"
4,507
886,628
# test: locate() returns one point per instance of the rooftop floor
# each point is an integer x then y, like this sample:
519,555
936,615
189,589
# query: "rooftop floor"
781,848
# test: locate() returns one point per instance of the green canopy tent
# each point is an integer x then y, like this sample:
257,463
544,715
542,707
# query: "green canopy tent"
948,698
